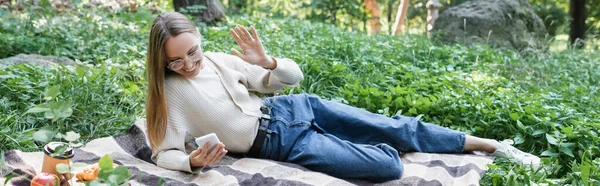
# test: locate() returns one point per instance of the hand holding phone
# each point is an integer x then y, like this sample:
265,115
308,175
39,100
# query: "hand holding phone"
212,138
209,151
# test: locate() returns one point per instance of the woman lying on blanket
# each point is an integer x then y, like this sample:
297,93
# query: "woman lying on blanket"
193,93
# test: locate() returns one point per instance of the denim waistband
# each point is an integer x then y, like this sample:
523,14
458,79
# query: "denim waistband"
267,102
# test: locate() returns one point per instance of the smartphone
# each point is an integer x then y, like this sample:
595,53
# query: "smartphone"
212,138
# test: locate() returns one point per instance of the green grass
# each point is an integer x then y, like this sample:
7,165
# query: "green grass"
547,103
108,92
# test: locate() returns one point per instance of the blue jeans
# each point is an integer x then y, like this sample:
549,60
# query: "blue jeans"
348,142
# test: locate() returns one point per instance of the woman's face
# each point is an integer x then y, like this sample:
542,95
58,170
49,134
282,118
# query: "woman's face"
184,54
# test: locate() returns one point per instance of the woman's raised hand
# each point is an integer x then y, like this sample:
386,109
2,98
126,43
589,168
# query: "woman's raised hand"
252,48
202,157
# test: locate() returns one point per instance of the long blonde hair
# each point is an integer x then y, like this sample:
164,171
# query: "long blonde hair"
165,26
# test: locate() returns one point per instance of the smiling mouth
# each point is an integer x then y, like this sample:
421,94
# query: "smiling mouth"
193,67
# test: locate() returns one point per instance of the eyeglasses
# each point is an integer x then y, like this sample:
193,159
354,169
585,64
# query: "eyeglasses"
194,57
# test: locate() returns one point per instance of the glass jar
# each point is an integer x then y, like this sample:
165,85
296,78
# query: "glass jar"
51,159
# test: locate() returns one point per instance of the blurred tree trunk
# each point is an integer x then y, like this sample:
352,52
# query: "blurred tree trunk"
577,32
207,11
390,3
372,8
400,16
432,15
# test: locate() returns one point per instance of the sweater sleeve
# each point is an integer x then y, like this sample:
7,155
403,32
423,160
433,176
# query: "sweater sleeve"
176,160
287,73
171,154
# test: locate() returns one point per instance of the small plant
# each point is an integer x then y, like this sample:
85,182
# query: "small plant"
55,110
108,173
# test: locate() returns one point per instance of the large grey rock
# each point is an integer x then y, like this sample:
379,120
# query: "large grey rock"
500,23
37,60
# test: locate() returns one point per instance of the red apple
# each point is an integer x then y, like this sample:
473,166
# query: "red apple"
45,178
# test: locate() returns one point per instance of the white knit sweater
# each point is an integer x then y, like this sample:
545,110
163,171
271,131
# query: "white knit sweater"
218,100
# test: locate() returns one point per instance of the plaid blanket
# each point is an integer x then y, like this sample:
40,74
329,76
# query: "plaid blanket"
131,150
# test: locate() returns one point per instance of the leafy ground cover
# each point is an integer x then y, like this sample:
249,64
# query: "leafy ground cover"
547,103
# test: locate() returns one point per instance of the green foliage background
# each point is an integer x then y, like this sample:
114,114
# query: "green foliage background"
546,103
351,15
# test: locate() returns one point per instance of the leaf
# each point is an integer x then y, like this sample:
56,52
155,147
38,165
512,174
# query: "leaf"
105,162
103,174
61,109
119,175
66,112
493,166
515,116
44,135
399,113
566,150
567,130
519,139
115,179
412,111
37,109
160,181
122,170
62,168
126,183
96,183
71,136
536,118
65,109
549,153
551,139
10,176
51,92
2,159
520,125
419,117
538,132
585,172
569,145
49,115
433,98
60,150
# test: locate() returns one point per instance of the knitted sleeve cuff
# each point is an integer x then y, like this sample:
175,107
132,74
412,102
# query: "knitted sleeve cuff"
176,160
287,71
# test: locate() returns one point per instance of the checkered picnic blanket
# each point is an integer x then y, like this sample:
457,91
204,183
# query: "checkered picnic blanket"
131,150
